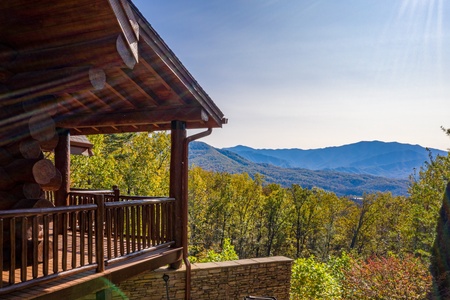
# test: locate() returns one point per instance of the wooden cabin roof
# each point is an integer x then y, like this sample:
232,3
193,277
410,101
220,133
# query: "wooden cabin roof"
95,66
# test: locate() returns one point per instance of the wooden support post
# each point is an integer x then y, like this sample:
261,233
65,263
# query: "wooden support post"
62,163
178,135
116,193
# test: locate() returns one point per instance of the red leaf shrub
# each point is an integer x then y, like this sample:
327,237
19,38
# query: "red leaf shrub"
387,278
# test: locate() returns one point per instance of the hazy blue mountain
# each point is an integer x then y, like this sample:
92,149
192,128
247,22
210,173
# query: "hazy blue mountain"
341,183
391,160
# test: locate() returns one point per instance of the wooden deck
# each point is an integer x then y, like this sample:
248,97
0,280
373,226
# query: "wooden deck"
87,282
94,240
73,256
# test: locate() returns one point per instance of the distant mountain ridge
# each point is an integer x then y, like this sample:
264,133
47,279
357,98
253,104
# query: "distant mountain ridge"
331,178
385,159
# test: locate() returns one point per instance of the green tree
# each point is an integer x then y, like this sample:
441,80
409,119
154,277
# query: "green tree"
245,204
333,216
96,172
201,236
275,208
426,192
299,224
138,163
364,228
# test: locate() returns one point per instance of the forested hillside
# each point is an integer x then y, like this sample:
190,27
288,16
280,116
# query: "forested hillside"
344,249
341,183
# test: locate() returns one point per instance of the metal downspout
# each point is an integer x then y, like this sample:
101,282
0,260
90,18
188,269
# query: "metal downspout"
185,207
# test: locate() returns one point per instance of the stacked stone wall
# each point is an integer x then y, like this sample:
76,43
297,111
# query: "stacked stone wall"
269,276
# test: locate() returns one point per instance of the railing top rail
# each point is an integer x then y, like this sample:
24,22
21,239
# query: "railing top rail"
138,202
142,197
93,192
44,211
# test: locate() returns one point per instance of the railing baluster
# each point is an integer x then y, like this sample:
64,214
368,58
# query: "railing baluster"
144,226
127,224
158,223
121,230
133,228
46,245
116,232
108,230
35,238
138,227
82,235
74,239
164,222
100,201
23,265
54,229
12,234
169,221
64,237
90,230
153,225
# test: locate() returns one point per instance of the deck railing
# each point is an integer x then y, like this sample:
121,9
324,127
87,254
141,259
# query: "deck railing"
44,243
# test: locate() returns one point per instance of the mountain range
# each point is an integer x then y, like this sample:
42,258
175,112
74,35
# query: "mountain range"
354,169
392,160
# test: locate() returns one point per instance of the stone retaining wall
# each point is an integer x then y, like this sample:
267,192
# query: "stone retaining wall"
222,280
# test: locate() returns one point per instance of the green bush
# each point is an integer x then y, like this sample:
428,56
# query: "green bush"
314,280
228,253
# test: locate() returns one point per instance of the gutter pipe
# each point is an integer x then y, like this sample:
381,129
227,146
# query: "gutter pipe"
185,207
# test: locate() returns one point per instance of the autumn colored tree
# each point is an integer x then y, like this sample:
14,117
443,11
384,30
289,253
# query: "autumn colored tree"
388,277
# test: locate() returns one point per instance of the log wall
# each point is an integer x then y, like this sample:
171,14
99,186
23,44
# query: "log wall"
25,173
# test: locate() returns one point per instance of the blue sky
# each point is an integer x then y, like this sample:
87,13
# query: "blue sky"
315,73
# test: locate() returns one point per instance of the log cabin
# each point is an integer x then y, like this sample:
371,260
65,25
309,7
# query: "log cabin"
72,68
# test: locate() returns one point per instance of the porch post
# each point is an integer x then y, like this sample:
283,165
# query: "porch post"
62,163
178,135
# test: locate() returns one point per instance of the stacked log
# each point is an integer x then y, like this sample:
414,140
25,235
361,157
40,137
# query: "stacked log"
27,130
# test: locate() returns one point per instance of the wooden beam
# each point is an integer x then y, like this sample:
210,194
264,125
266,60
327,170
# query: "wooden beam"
155,74
117,129
127,45
137,83
122,86
131,118
119,95
98,101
